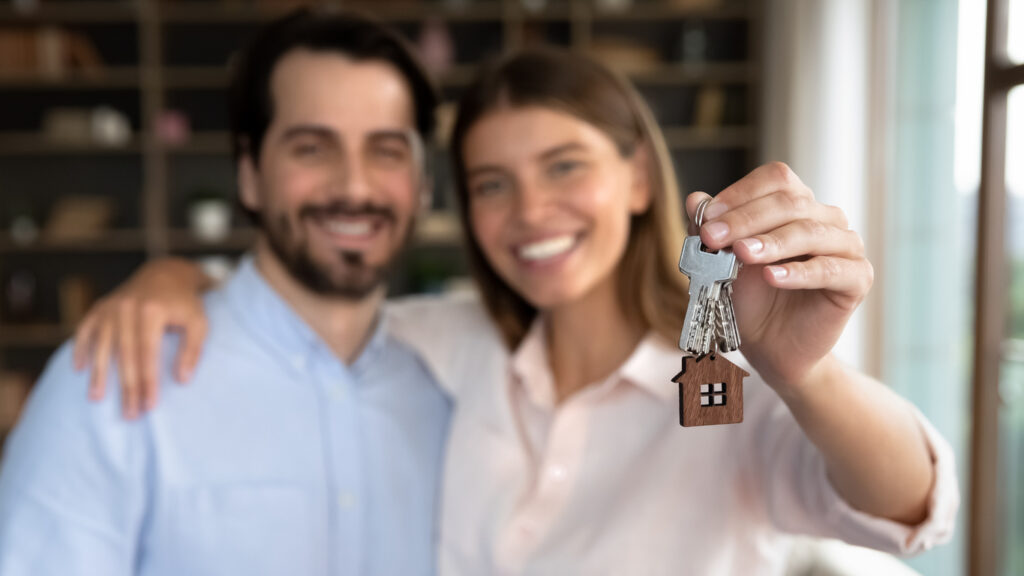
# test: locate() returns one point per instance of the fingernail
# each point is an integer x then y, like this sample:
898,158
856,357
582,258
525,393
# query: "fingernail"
717,230
778,272
753,245
714,210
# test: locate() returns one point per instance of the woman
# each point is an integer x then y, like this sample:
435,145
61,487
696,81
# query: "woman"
565,456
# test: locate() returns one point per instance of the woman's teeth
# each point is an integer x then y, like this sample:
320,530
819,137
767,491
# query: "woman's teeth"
547,248
349,228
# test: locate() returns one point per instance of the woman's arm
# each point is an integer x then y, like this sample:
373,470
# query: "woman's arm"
130,323
804,274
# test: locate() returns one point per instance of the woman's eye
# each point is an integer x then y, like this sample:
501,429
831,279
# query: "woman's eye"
486,188
563,168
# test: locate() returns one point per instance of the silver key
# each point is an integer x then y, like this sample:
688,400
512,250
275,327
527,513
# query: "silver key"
708,273
728,332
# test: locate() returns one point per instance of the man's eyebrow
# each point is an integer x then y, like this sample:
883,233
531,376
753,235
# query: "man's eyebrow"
388,134
308,130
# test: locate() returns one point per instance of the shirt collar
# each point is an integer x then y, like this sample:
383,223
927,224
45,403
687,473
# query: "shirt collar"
650,367
270,317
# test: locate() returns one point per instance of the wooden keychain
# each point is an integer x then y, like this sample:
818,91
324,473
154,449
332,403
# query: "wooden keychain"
710,387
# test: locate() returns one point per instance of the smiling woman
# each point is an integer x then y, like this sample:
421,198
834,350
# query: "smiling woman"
576,145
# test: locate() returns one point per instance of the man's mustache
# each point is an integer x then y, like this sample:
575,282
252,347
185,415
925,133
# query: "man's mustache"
342,208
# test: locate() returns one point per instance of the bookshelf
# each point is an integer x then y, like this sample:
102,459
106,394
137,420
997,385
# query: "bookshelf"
171,55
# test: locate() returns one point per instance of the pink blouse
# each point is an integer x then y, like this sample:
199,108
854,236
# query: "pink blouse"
609,483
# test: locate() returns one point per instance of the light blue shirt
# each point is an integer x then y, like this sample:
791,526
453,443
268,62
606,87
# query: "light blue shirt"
276,458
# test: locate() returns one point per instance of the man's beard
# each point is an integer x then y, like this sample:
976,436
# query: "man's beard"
349,277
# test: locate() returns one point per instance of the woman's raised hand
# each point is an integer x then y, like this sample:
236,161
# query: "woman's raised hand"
804,271
130,323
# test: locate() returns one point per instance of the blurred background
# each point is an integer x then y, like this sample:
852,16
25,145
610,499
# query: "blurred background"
114,150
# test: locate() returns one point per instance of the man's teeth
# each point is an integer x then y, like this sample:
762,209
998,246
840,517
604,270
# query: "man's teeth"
547,248
348,228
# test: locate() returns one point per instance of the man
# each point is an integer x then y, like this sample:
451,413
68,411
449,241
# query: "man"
312,440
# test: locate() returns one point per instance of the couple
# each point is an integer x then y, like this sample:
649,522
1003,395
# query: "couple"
532,430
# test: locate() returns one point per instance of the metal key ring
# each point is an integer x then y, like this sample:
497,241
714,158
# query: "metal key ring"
699,216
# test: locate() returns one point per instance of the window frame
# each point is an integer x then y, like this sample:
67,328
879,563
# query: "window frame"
985,548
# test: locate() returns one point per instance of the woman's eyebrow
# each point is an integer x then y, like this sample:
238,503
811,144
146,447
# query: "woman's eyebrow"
561,148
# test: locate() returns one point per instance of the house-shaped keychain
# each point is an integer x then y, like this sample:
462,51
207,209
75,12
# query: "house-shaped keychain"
710,391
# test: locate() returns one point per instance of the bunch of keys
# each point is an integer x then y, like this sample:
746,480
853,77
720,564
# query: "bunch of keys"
710,387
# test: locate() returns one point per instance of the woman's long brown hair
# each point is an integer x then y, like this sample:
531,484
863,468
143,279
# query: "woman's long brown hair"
652,292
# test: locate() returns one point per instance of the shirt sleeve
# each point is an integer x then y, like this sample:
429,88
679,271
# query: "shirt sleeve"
452,334
71,482
801,498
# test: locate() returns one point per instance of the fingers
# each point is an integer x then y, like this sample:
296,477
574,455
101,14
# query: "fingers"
762,181
798,239
191,345
765,214
83,342
849,280
151,331
127,355
100,359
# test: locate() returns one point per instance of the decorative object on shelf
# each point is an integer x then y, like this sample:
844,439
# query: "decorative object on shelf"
68,125
47,52
217,266
77,294
693,43
613,5
14,387
696,4
435,47
21,297
79,218
534,6
22,225
101,125
209,215
109,127
709,108
445,116
624,55
173,127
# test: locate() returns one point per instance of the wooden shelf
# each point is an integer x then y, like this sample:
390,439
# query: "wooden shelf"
434,228
667,11
692,73
32,335
83,12
217,77
113,241
399,11
38,144
239,240
108,78
691,138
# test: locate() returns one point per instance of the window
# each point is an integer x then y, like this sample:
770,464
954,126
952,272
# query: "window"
712,394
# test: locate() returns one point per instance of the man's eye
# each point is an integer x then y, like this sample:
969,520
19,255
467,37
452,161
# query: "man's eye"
389,153
307,149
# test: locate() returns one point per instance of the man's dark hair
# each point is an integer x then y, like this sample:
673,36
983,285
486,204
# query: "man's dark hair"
250,103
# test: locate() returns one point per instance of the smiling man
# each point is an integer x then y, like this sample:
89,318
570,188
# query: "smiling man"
311,442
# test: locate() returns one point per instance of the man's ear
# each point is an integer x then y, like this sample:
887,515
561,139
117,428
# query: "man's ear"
248,183
640,193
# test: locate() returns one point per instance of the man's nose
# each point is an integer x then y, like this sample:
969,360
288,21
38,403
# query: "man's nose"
353,180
